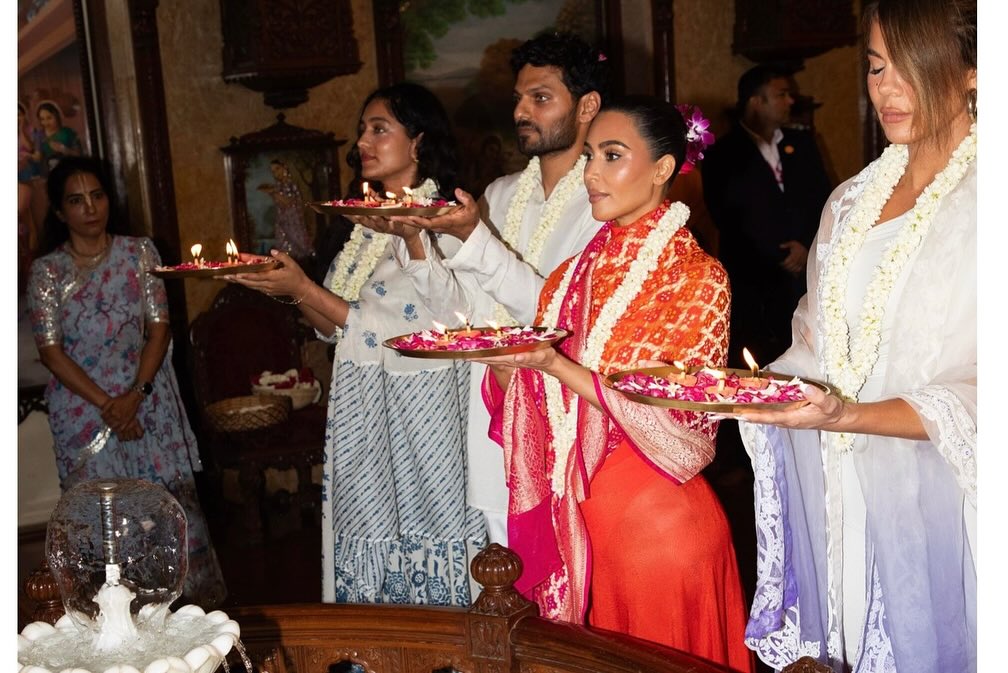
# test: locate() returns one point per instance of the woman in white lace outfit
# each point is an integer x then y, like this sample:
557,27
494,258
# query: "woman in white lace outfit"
866,500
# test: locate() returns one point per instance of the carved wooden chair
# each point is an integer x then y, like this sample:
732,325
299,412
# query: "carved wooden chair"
243,334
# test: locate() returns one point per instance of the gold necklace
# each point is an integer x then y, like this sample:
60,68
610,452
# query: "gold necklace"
89,260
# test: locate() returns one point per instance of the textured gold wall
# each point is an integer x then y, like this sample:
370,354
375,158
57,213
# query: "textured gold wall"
204,113
707,73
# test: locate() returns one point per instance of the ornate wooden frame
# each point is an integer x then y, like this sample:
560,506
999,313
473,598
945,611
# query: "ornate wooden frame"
277,139
663,41
389,39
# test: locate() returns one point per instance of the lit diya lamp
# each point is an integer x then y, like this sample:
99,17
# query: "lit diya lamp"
495,327
407,198
753,382
466,331
232,252
196,250
441,330
721,387
682,378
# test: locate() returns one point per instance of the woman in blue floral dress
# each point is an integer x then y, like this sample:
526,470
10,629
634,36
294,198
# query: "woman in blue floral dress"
100,322
395,527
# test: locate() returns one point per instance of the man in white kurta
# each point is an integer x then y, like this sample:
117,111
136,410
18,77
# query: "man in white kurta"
524,226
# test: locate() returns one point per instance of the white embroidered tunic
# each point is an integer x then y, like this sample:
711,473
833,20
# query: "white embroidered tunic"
908,537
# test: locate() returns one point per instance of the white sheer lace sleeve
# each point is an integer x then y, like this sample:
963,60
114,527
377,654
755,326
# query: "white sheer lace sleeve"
951,424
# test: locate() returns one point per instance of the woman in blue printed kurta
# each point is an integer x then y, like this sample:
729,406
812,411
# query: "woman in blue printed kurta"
396,528
100,322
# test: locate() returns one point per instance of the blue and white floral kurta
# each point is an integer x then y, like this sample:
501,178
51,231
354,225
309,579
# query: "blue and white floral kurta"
396,527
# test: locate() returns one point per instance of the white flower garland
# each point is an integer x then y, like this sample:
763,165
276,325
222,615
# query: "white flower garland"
848,359
347,285
530,180
563,422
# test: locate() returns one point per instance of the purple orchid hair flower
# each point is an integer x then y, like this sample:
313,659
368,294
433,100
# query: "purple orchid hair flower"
698,135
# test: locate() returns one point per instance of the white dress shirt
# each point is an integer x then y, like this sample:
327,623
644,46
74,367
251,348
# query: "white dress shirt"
770,152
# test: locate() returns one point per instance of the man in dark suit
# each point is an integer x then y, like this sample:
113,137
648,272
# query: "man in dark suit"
765,187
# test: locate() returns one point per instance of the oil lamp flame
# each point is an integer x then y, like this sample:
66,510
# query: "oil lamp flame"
462,319
493,325
196,250
679,365
232,251
438,327
751,361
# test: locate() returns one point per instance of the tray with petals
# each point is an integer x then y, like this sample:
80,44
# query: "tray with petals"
697,389
474,342
355,207
213,269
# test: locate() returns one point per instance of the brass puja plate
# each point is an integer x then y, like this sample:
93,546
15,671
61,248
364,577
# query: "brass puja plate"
478,352
206,272
379,211
724,407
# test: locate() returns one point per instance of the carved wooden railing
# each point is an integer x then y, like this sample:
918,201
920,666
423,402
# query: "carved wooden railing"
500,633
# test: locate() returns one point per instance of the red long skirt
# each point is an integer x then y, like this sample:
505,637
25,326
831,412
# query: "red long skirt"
663,564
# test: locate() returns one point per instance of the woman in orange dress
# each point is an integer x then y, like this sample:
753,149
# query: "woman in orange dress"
613,522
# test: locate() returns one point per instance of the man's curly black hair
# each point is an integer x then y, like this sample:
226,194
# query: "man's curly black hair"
584,68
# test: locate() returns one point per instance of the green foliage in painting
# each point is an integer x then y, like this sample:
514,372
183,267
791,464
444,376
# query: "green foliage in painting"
426,20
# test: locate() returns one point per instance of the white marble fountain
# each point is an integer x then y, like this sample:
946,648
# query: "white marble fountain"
117,548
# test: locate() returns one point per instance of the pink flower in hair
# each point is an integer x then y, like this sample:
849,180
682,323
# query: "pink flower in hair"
698,135
602,57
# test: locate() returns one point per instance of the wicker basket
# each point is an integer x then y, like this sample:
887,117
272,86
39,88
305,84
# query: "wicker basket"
252,412
299,397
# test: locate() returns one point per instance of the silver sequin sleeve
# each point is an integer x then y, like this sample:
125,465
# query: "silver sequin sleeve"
154,297
44,303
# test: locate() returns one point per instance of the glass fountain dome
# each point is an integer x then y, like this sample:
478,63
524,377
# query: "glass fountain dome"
117,549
